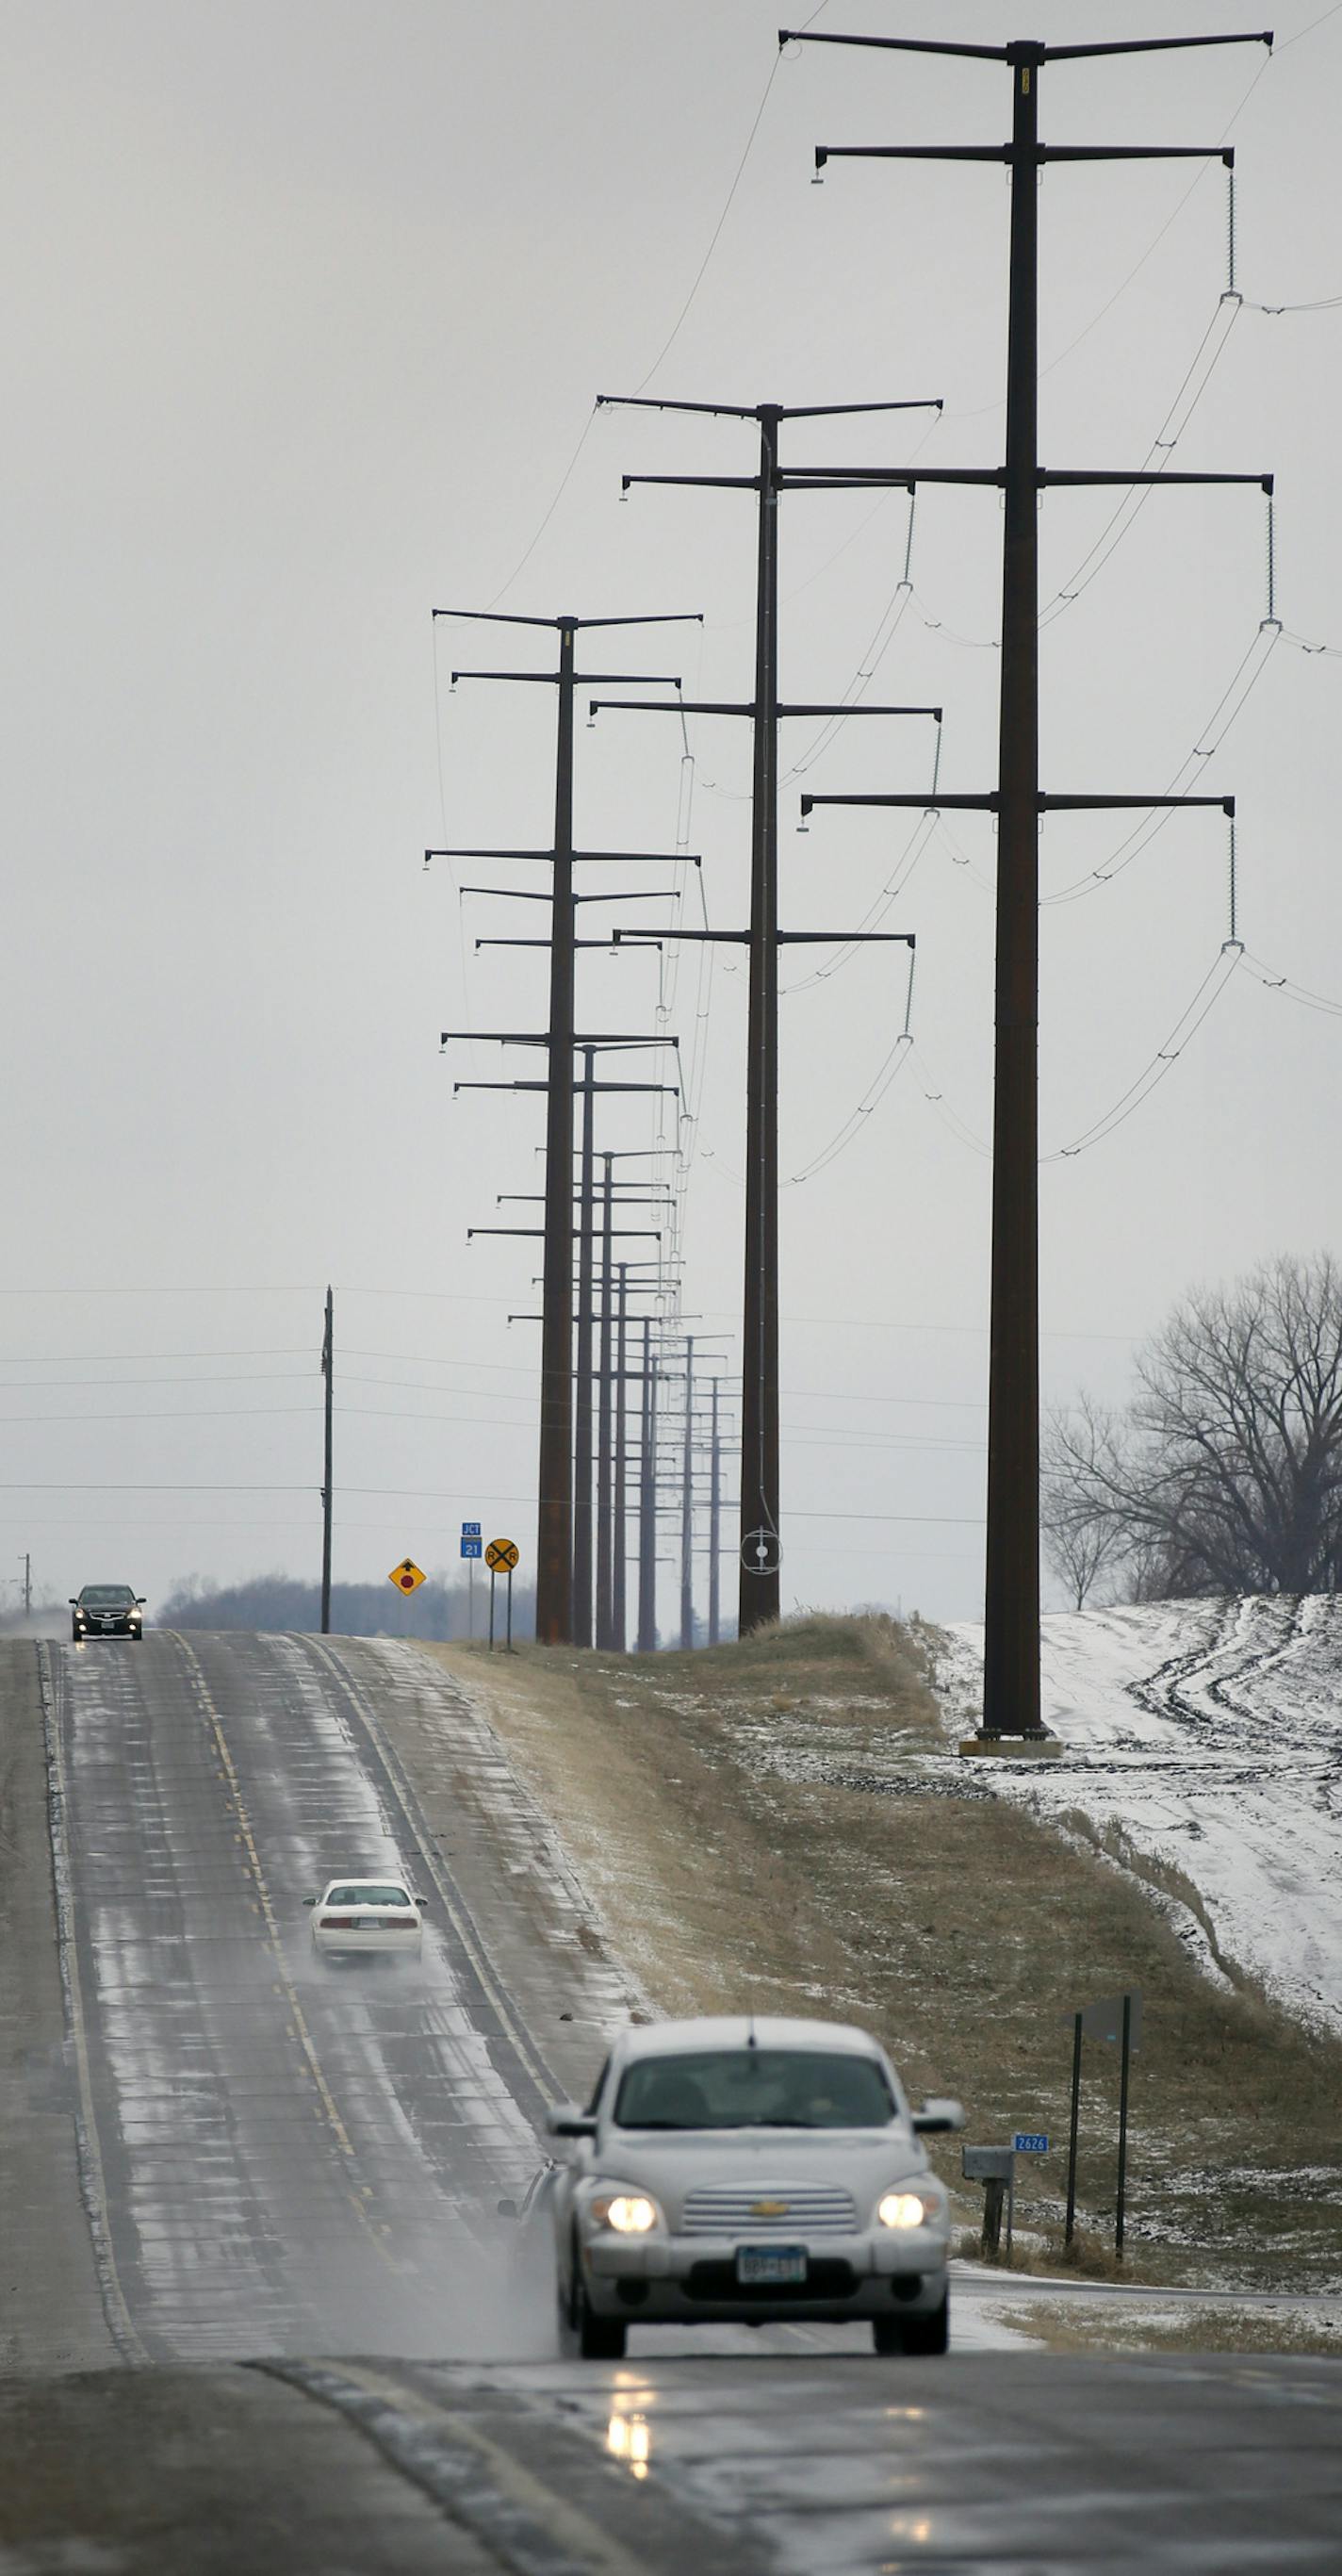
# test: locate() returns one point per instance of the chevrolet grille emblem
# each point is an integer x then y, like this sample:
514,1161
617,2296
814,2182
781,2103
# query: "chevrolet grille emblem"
768,2209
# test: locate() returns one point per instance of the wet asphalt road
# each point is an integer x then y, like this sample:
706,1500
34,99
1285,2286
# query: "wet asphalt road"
282,2161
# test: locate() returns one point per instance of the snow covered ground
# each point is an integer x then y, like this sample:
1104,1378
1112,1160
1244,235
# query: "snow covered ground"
1210,1734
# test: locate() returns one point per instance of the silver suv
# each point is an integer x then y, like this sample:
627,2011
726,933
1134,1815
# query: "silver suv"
738,2169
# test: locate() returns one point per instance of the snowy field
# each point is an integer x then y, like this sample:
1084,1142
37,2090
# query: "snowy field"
1209,1734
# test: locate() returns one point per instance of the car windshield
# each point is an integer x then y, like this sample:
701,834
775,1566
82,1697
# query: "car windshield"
755,2088
360,1893
107,1596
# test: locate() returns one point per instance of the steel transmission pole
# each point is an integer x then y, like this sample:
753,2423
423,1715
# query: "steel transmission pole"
1011,1679
328,1372
554,1531
604,1530
581,1625
715,1527
761,1545
761,1540
554,1537
619,1613
647,1501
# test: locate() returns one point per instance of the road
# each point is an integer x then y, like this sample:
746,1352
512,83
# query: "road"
306,2337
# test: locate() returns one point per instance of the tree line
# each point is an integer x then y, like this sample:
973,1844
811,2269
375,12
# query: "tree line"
1223,1474
275,1603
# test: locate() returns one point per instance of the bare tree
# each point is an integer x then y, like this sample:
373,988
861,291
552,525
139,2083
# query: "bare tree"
1225,1473
1081,1542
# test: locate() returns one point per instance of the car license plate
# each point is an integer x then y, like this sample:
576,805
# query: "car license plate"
757,2265
367,1923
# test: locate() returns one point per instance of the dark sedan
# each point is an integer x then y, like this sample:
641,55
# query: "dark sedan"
106,1610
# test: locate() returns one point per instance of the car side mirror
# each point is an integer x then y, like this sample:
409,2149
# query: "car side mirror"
74,1605
936,2116
506,2208
422,1902
567,2121
309,1900
140,1599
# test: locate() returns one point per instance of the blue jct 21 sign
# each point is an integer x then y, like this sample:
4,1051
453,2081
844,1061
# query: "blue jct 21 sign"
472,1547
1030,2142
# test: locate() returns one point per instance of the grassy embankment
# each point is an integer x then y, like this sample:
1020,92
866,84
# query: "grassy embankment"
775,1823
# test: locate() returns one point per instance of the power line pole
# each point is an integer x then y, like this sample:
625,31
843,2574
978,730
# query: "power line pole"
761,1540
328,1372
27,1586
554,1539
647,1501
1011,1688
619,1618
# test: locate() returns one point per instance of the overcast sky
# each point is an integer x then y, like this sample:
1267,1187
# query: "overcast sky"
305,308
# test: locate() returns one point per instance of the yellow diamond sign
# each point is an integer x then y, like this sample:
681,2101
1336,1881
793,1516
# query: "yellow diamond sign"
407,1576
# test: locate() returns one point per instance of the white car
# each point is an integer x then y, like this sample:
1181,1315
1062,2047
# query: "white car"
367,1918
746,2169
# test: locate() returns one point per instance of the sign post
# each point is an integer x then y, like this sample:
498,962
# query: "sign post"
1115,2018
501,1556
472,1547
1070,2229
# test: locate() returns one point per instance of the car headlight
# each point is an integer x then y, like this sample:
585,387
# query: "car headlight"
630,2213
905,2209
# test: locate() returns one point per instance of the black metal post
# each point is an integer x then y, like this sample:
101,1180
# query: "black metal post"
554,1534
647,1502
509,1632
1011,1700
493,1579
687,1505
715,1527
604,1495
1011,1680
328,1372
581,1627
1070,2229
1123,2128
619,1611
760,1550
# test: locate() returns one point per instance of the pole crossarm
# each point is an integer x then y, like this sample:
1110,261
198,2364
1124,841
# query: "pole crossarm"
585,858
899,478
831,938
567,625
1006,152
644,1233
764,411
541,1037
992,804
746,707
1027,52
671,1088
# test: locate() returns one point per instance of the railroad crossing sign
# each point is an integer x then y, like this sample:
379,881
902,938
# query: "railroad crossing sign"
762,1552
501,1555
406,1576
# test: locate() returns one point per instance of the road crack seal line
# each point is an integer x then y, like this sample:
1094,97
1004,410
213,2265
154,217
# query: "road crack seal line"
88,2148
330,2110
530,2528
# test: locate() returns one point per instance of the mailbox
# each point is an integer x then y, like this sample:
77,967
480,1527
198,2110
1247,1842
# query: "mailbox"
988,2164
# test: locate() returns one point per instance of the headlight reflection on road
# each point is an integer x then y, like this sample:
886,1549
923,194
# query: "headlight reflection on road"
629,2440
